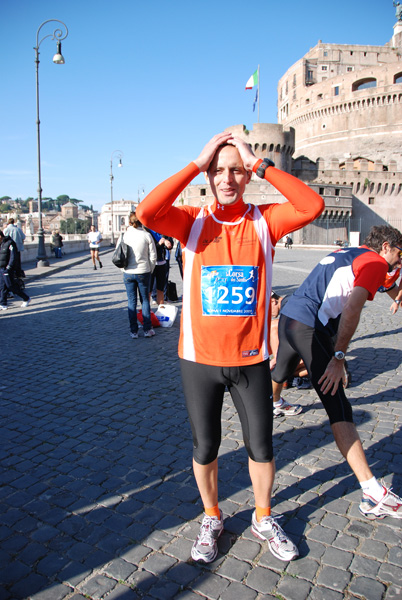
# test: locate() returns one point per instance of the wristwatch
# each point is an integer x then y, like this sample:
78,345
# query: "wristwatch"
397,301
339,355
260,172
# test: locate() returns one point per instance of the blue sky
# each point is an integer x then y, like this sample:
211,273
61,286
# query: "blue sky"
155,80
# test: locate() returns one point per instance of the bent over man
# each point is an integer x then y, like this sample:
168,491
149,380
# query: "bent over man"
317,323
228,249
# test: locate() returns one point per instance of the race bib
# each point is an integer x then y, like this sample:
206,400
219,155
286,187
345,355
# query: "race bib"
229,290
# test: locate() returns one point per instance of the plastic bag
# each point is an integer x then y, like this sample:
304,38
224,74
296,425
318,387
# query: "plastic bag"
166,314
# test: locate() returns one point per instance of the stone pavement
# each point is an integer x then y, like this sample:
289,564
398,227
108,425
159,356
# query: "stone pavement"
97,494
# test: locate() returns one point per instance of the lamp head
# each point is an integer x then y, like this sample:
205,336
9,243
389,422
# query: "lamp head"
120,163
58,58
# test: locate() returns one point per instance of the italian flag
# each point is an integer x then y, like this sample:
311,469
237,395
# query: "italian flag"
252,81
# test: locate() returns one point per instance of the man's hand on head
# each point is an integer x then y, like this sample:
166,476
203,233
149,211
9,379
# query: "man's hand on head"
247,155
209,150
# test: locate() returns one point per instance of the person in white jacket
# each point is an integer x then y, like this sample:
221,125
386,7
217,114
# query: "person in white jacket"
137,274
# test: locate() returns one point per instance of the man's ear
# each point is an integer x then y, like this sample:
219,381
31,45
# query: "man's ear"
249,175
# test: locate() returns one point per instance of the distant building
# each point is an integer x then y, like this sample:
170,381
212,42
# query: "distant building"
344,103
120,213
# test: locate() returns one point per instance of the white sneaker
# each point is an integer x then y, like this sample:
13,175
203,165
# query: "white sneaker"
26,303
205,547
149,333
134,335
278,542
286,409
2,307
390,505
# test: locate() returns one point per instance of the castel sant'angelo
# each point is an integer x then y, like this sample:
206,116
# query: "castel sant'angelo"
339,130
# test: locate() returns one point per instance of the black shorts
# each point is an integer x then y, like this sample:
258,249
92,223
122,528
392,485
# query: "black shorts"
159,274
316,348
251,391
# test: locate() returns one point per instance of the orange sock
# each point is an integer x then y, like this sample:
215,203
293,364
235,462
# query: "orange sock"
213,512
262,512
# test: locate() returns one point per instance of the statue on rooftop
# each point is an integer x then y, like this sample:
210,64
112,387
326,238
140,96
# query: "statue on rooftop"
398,12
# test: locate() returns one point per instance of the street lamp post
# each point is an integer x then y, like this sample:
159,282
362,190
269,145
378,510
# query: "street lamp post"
141,192
119,155
59,60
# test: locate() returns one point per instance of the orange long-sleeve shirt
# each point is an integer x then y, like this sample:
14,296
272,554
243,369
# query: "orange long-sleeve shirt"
227,259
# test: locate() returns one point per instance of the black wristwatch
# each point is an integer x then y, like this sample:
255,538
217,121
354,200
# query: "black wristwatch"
260,172
339,355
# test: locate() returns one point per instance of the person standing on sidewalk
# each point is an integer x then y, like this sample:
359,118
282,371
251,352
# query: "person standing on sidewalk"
137,274
57,242
16,234
317,323
228,250
94,240
8,260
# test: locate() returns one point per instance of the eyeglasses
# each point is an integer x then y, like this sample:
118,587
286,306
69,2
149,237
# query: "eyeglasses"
400,251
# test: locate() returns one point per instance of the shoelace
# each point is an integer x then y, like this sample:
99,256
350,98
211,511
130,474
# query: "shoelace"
276,528
206,536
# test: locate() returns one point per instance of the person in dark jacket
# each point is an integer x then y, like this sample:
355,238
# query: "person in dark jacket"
57,243
8,263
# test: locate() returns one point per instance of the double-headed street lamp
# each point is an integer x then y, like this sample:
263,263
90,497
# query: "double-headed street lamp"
119,155
59,60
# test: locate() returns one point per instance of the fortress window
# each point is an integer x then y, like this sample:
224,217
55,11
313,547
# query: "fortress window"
363,84
398,78
324,68
294,80
203,192
371,200
325,53
321,191
349,69
336,90
337,191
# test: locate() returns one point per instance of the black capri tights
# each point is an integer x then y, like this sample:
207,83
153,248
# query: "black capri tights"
296,341
251,391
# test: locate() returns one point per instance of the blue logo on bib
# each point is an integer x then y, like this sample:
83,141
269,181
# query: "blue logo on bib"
229,290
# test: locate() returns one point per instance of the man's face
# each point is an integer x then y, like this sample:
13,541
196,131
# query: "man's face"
274,307
392,255
227,176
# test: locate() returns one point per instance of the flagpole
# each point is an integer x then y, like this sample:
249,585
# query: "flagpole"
258,93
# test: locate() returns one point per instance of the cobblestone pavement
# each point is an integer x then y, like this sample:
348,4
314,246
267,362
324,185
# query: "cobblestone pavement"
98,498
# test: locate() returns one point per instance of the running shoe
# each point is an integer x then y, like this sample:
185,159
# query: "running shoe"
149,333
205,547
286,409
3,307
280,545
134,335
389,506
26,303
302,383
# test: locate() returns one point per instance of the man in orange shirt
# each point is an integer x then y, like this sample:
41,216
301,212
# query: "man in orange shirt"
228,250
